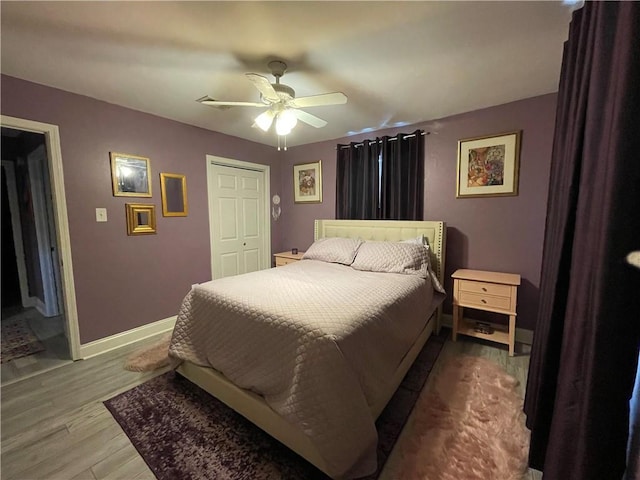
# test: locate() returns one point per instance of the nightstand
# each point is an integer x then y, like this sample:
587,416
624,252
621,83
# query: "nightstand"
488,291
284,258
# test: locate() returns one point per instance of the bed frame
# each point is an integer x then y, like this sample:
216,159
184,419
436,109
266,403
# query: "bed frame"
253,407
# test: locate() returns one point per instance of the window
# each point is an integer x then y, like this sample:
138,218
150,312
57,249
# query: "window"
381,178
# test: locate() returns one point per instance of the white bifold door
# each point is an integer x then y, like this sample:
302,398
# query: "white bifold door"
237,206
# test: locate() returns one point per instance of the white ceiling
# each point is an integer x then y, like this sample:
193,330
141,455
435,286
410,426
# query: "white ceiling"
398,62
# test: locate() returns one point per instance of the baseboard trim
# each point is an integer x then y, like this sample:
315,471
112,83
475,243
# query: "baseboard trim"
38,304
522,334
118,340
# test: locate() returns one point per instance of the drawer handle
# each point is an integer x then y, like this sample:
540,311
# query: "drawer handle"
484,289
483,300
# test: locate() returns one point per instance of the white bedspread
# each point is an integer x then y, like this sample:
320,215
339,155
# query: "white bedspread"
318,341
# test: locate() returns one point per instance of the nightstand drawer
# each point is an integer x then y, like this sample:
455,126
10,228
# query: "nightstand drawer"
280,261
285,258
484,301
484,287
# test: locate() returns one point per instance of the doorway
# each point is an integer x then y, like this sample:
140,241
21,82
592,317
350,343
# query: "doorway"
35,240
32,321
239,217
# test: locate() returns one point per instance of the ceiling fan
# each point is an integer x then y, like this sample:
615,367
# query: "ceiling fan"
281,101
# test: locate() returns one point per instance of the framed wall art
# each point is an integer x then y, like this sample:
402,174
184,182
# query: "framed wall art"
141,218
307,182
173,188
488,166
131,175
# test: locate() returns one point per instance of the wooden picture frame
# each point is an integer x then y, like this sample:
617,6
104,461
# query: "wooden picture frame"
307,182
141,218
173,188
489,166
130,175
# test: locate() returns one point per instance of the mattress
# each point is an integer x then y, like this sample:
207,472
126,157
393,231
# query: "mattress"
319,341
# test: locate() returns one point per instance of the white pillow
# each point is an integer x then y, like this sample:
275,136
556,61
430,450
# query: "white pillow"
392,257
422,240
333,250
419,240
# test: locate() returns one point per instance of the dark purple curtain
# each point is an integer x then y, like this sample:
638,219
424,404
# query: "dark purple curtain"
357,181
394,193
402,193
585,349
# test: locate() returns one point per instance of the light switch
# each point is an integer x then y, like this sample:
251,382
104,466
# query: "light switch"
101,214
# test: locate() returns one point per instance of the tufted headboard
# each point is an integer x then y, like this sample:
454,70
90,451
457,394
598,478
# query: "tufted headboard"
391,231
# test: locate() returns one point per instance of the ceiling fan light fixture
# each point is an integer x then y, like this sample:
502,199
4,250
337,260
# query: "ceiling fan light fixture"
285,122
264,120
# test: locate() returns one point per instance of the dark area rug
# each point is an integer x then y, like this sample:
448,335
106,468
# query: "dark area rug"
184,433
18,340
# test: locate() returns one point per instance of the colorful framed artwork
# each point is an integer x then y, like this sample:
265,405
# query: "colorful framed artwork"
131,175
307,182
488,166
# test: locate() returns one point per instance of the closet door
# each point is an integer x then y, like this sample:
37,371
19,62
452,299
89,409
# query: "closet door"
239,237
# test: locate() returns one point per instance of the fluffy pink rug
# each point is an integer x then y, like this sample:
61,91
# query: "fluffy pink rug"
470,425
149,358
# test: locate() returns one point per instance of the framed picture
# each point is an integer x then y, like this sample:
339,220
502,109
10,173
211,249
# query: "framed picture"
307,182
131,175
173,187
141,218
488,166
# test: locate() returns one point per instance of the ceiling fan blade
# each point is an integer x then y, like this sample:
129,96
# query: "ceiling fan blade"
309,119
335,98
216,103
264,87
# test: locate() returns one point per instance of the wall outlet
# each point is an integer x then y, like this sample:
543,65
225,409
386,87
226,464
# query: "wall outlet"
101,214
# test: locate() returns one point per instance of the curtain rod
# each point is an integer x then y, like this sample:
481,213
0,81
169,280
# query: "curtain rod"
391,139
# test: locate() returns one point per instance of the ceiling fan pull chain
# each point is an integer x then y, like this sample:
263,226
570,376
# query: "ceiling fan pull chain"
280,137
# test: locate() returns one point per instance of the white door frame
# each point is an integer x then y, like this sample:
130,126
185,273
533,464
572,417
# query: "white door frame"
61,220
229,162
16,226
42,218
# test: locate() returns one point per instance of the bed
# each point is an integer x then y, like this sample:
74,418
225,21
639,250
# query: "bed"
313,351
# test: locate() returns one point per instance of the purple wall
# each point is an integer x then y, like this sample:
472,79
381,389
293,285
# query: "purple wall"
123,282
503,234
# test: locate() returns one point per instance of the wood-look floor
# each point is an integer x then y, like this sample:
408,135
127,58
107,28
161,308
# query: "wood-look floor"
50,332
55,426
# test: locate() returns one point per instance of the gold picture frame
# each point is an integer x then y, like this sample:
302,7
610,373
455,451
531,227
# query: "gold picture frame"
307,182
489,166
130,175
141,218
173,187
